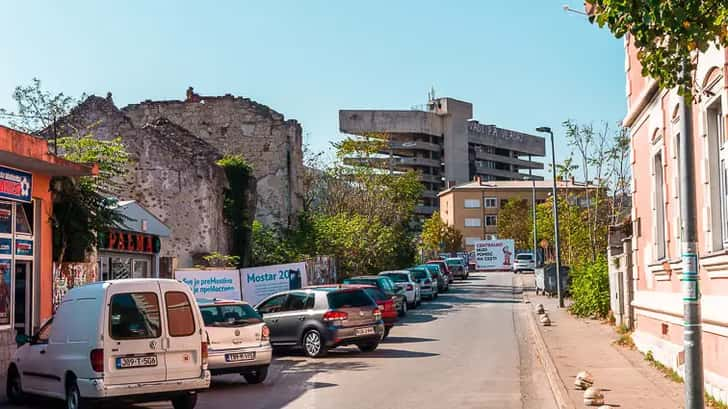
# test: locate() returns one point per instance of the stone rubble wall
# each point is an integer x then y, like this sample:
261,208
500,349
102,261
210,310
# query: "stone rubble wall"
235,125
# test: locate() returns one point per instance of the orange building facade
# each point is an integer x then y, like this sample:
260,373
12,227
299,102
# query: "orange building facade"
654,121
26,237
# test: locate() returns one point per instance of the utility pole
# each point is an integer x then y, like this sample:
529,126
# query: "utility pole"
555,198
692,327
533,205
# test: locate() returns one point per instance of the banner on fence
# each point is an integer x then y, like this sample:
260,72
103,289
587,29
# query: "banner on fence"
224,284
260,282
494,254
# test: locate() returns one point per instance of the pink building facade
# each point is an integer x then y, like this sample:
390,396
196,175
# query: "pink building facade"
654,121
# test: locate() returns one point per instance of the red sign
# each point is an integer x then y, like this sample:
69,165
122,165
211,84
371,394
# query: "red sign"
132,242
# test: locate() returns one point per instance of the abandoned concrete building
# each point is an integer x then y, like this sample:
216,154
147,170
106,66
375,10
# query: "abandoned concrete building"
174,146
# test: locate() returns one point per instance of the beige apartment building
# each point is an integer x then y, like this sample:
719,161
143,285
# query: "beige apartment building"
473,207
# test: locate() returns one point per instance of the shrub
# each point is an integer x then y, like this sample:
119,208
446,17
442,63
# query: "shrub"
590,289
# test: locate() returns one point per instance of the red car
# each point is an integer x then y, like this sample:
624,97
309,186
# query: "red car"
444,268
386,304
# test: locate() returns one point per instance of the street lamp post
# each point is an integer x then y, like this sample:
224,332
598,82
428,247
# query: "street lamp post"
546,129
533,209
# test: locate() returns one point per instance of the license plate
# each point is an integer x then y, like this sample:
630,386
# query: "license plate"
240,356
365,331
136,361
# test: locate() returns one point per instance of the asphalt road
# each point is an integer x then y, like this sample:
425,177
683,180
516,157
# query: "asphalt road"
469,348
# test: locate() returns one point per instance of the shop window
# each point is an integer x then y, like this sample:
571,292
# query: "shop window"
5,287
134,316
180,320
120,268
23,216
6,214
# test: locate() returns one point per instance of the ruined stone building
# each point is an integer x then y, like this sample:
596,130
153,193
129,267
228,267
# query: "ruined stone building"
174,146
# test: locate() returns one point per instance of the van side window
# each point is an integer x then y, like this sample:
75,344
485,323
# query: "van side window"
180,319
44,333
134,316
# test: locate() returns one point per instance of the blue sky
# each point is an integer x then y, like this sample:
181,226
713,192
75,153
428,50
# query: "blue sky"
522,64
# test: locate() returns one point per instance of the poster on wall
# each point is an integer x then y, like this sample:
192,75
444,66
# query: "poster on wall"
5,288
224,284
494,254
15,184
260,282
70,275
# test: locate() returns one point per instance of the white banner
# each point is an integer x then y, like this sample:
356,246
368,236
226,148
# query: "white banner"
494,254
260,282
224,284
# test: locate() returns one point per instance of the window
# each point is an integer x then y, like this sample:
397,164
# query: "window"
230,315
43,334
275,304
134,316
490,202
6,214
659,212
472,203
472,222
716,129
23,214
299,301
180,319
349,299
491,220
504,202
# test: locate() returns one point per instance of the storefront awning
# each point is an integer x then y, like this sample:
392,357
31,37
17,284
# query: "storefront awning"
29,153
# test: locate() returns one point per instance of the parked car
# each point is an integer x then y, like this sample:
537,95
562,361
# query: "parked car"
153,347
387,286
404,280
524,261
385,303
444,268
318,319
443,285
428,286
239,340
458,267
471,261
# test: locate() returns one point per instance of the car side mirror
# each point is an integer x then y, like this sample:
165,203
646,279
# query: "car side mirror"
22,339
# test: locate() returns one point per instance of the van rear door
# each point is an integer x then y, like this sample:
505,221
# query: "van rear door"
184,332
133,349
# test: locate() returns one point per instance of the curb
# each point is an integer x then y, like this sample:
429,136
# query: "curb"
561,395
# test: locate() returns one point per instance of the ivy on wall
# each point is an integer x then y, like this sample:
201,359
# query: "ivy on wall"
235,210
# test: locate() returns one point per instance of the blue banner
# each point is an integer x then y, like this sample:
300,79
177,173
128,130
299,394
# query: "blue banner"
15,184
5,247
23,247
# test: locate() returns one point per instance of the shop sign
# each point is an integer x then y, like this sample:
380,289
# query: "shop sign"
5,246
5,286
130,242
23,247
15,184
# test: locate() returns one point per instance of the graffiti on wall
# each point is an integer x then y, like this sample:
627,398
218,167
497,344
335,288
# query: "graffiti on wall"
70,275
321,270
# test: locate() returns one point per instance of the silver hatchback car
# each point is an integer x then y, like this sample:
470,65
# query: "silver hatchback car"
317,319
239,339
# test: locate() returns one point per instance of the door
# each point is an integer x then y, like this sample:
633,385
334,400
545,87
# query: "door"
295,311
134,344
23,274
37,375
183,335
271,310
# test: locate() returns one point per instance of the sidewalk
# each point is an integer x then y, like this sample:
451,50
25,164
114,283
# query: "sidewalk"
577,344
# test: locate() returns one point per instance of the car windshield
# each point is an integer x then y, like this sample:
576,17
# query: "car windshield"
524,257
377,295
349,299
366,281
230,315
398,277
419,274
454,262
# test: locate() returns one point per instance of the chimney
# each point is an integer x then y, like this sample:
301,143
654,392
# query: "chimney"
191,96
572,180
478,179
451,183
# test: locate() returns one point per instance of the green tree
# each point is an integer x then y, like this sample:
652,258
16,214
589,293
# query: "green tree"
438,236
237,205
85,206
666,33
515,221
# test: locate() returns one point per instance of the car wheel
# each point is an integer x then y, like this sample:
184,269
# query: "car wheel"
14,388
368,347
73,397
386,332
185,401
257,376
313,344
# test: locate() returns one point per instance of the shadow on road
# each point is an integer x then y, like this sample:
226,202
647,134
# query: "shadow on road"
407,340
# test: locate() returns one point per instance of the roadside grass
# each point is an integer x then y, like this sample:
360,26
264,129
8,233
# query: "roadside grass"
669,373
625,337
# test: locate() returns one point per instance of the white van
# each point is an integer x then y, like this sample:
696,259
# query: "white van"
127,340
